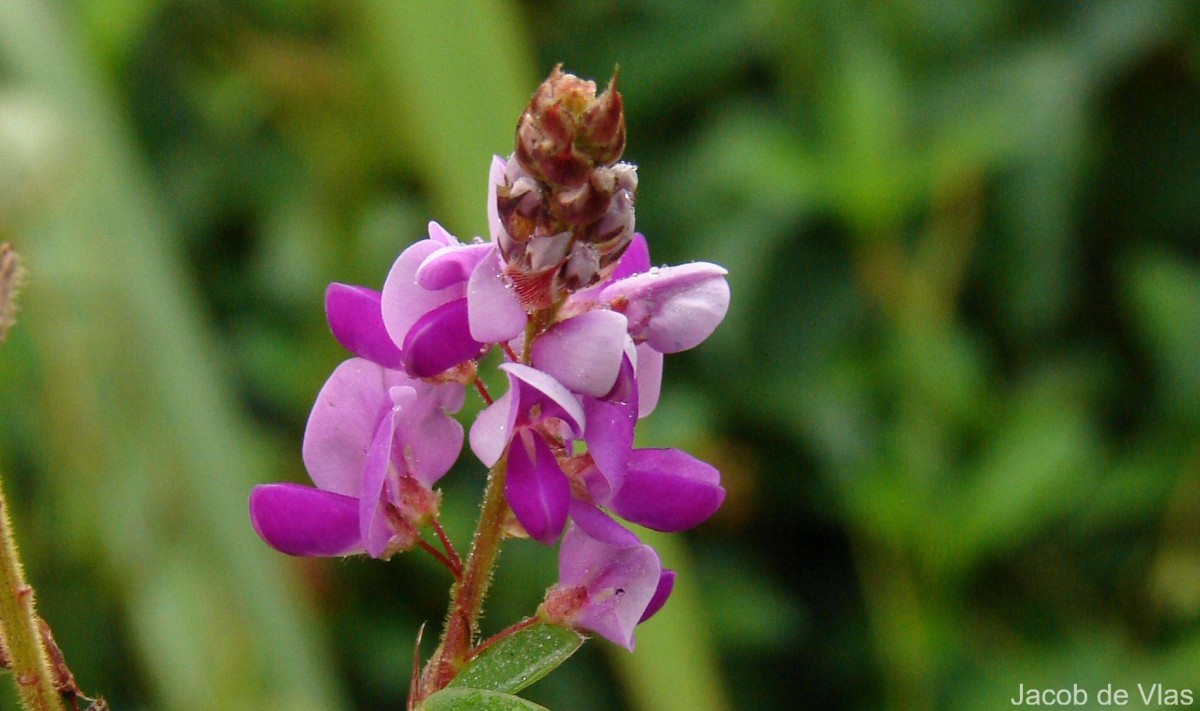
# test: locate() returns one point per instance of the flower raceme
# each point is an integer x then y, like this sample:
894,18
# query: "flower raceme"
565,289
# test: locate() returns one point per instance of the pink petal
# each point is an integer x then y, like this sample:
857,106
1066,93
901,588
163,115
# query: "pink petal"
492,429
620,582
536,489
372,516
450,265
649,378
537,388
672,308
600,525
303,521
668,490
343,422
356,320
403,300
441,235
495,178
584,352
428,441
495,314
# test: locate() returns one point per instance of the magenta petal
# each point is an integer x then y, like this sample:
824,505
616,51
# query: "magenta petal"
668,490
372,512
600,525
536,488
439,340
649,378
537,388
356,319
673,308
610,442
496,314
636,259
666,584
584,352
301,520
450,265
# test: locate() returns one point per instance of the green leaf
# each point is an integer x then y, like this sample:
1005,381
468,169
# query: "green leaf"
517,661
477,700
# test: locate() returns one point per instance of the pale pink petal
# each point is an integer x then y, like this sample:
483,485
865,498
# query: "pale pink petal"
584,352
343,422
451,265
649,378
620,583
492,429
495,312
372,515
672,308
495,178
403,300
537,388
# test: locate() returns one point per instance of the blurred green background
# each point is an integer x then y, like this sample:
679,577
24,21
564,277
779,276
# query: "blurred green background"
956,402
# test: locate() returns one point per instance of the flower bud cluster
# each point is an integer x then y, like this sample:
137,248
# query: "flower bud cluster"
564,205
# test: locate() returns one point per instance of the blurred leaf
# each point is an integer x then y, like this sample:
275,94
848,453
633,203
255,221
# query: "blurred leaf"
477,700
520,659
1163,294
1037,467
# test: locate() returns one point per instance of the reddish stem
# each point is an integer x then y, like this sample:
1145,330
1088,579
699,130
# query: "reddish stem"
483,391
454,568
507,632
447,545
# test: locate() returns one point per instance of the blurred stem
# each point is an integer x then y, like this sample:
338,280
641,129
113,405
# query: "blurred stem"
898,624
18,623
468,594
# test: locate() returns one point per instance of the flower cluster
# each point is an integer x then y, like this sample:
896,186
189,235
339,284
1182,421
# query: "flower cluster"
565,289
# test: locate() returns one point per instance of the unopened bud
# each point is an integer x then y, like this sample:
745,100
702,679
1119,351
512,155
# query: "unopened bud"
566,130
603,126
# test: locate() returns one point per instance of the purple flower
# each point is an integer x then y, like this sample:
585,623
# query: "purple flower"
536,417
607,585
376,442
444,302
537,423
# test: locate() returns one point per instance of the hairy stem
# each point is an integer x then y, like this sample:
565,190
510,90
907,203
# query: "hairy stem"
468,594
19,625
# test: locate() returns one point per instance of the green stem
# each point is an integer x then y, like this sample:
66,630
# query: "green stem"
467,595
18,624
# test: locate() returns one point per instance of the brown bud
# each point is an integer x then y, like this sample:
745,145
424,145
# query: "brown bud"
603,126
566,130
